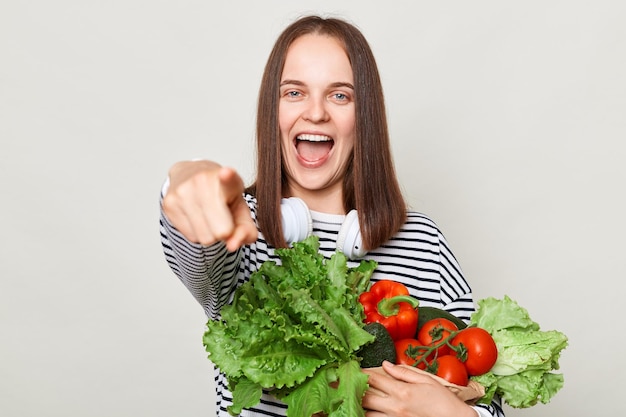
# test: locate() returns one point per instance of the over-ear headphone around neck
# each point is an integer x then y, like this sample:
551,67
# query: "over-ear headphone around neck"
297,225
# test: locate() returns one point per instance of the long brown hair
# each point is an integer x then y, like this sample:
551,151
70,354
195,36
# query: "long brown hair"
370,185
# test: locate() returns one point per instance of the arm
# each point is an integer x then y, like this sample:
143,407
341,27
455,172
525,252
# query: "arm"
400,391
208,272
456,293
397,390
204,222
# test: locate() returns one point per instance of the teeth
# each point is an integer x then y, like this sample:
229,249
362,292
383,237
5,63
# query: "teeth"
314,138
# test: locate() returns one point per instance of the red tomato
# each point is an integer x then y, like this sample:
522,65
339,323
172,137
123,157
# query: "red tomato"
435,331
408,352
477,351
451,369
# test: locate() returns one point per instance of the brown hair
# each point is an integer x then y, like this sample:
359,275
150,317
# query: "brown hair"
370,185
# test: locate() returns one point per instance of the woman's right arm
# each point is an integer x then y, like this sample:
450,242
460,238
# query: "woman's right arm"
204,222
208,272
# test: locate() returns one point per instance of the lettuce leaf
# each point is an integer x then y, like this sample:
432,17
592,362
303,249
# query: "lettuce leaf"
522,375
295,328
336,391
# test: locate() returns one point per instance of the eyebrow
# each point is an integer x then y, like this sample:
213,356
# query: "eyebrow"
332,85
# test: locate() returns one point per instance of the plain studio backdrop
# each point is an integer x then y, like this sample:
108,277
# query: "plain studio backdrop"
508,122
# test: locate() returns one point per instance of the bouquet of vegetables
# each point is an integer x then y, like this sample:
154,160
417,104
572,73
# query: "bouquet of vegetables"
296,329
302,329
501,349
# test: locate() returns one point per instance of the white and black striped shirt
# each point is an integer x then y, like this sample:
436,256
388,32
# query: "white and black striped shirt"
417,256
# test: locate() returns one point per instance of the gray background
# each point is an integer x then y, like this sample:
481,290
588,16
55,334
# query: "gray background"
508,127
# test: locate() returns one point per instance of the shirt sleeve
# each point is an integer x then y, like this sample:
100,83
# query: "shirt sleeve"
456,293
208,272
492,410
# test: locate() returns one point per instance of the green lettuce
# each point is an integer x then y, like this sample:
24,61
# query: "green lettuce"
295,328
522,375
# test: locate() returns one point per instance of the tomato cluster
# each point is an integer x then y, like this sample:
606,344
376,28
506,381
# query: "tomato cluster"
439,347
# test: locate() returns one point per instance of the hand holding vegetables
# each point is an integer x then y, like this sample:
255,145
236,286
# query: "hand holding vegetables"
401,390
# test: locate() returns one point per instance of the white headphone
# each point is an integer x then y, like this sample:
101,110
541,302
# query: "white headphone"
297,225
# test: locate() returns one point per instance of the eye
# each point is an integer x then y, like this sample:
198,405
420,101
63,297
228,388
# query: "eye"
292,94
340,97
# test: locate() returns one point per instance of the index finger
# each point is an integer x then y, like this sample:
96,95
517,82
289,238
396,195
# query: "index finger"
406,373
244,228
220,201
231,184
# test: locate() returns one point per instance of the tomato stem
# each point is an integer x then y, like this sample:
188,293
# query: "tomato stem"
425,351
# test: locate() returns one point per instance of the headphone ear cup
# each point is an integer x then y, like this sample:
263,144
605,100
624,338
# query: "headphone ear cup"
349,240
296,219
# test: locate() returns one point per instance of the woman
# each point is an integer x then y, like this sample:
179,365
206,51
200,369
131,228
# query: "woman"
322,138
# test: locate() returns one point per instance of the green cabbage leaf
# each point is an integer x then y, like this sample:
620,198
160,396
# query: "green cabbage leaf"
527,356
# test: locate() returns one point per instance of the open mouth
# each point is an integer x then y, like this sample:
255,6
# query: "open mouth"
313,147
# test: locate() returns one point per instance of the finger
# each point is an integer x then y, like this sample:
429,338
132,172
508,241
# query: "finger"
220,195
375,400
197,228
231,184
189,220
199,213
380,381
374,391
405,373
245,230
198,201
205,203
191,232
371,413
377,369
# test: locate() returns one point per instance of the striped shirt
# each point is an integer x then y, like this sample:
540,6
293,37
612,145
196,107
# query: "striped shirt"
417,256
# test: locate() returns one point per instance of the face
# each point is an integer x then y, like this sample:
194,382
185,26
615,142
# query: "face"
316,116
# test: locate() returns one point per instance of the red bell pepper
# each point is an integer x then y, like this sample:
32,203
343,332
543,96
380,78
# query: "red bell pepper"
389,303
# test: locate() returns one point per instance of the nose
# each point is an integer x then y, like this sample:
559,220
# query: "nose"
316,110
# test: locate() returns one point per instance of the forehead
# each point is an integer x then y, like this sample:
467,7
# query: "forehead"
317,54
